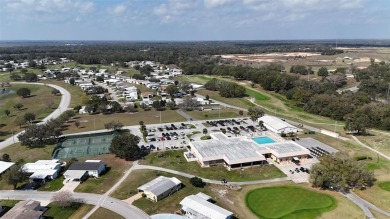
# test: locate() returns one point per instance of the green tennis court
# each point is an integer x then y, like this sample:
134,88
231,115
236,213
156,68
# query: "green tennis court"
83,145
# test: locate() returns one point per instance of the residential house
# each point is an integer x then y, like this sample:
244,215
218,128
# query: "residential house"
79,170
199,206
43,170
160,188
28,209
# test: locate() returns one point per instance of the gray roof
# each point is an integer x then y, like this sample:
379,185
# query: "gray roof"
310,142
24,210
235,150
85,165
286,149
160,185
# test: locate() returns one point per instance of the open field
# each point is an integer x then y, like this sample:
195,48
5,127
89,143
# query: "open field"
377,141
169,204
75,211
176,161
213,114
96,122
286,201
102,213
115,169
41,103
77,94
385,186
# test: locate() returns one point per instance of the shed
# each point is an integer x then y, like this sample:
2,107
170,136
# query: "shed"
160,187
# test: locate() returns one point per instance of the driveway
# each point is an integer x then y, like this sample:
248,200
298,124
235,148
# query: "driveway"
63,106
69,185
297,177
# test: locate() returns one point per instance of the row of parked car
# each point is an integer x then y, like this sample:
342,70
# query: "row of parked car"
172,127
224,122
302,169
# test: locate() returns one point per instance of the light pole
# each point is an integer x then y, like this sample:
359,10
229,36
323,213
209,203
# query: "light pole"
160,116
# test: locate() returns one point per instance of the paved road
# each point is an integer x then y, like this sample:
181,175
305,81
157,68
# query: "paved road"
146,167
184,114
365,205
106,195
63,106
370,148
113,204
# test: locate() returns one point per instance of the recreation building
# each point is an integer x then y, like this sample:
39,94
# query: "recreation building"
160,188
277,125
238,152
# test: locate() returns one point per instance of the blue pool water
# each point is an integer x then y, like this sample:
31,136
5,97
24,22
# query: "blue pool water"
263,140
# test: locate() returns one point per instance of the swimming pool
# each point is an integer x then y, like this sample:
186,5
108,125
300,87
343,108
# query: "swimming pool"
263,140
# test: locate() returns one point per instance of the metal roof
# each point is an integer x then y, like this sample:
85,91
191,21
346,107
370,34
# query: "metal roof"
5,165
85,166
205,208
275,122
159,185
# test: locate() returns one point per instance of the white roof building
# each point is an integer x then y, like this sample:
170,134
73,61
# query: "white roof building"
43,169
277,125
160,187
196,206
5,166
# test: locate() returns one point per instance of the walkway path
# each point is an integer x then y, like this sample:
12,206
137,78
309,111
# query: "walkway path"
146,167
63,106
365,205
184,114
370,148
103,197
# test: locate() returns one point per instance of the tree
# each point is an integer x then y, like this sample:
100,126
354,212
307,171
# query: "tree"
23,92
323,72
357,122
115,106
6,158
37,135
63,198
185,86
20,121
207,97
339,171
29,117
171,89
241,113
255,112
31,77
157,105
55,92
197,182
15,175
18,106
125,146
189,103
261,124
204,131
99,79
72,81
77,123
32,64
171,105
113,125
7,112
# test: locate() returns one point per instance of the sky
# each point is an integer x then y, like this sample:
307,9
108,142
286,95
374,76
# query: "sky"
193,20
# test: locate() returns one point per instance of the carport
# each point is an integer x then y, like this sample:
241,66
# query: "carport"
76,175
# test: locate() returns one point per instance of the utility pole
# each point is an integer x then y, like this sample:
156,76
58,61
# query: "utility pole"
160,116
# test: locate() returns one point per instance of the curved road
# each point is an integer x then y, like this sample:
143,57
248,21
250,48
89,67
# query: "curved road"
63,106
113,204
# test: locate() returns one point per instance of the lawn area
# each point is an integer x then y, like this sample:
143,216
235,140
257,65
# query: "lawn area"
239,102
77,94
96,122
7,204
169,204
75,211
102,213
53,185
116,168
213,114
41,103
176,161
288,202
385,186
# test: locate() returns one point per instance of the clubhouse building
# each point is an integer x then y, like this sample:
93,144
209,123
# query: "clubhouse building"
239,152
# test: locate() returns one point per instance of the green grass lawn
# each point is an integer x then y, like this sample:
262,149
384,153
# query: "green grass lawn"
288,202
176,161
77,210
385,186
213,114
41,103
102,213
53,185
77,94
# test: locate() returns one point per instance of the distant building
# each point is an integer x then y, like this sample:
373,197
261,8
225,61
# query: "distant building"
29,209
198,206
277,125
79,170
160,188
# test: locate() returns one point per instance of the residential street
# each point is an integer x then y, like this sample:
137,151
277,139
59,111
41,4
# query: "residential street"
113,204
63,106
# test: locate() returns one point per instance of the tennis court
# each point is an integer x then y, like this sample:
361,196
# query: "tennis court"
83,145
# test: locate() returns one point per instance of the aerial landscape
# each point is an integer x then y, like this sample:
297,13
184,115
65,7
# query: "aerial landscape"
194,109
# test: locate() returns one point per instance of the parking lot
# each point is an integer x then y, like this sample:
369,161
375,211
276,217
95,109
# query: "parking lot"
174,136
297,173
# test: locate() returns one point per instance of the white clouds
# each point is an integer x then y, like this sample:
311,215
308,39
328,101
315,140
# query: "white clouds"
48,6
216,3
172,9
119,9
